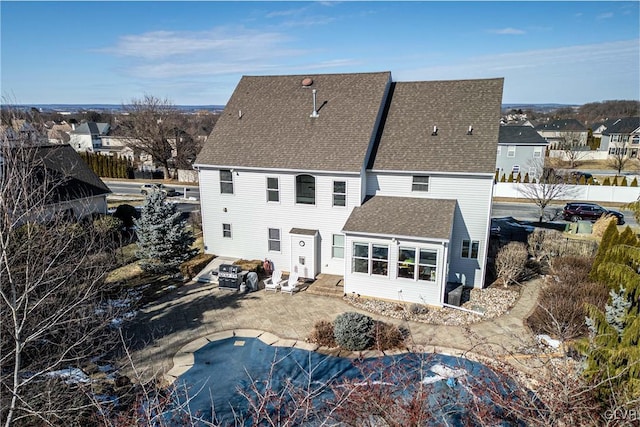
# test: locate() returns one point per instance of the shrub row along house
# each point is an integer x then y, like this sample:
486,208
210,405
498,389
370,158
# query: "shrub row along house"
388,184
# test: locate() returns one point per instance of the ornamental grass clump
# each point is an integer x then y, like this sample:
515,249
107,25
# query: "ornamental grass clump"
353,331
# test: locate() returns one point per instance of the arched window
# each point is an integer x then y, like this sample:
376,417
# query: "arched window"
305,190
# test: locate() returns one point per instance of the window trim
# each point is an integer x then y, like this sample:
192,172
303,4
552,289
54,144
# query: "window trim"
334,246
225,181
270,240
225,231
275,191
537,152
471,247
370,258
511,151
297,195
499,153
420,186
334,194
417,251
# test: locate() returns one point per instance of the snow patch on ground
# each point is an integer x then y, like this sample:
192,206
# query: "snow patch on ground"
70,375
443,372
547,340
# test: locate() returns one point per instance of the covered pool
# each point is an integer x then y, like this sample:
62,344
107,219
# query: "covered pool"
229,374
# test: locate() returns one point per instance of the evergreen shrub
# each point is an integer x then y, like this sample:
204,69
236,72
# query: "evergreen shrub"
353,331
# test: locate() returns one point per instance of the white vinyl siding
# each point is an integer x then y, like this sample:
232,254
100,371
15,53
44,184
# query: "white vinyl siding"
391,286
471,219
251,220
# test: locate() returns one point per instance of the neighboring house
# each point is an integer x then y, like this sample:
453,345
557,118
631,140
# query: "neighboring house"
563,133
88,136
598,128
521,150
622,138
388,184
73,189
58,133
20,131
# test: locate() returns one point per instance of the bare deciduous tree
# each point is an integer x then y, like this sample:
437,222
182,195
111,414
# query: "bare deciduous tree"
510,262
546,189
51,289
151,125
573,148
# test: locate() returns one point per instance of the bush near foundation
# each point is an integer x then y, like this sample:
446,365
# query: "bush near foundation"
353,331
193,266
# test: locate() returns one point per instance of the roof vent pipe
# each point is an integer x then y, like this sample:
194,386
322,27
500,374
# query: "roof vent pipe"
435,131
315,111
470,131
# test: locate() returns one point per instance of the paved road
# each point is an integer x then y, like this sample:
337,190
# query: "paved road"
131,188
524,211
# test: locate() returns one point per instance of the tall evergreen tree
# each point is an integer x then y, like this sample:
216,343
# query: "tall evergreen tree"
163,239
612,349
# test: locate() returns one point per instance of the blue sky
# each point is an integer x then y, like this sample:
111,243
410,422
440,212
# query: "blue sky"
195,52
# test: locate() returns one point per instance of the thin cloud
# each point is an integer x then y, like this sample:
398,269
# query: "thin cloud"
507,31
623,52
167,44
606,15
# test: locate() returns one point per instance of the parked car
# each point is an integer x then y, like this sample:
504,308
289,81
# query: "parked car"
588,211
577,175
509,228
147,188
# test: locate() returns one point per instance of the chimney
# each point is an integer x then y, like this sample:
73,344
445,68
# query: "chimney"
315,111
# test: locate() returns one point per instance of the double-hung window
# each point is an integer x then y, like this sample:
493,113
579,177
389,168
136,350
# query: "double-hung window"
339,193
274,239
360,258
420,183
273,189
337,246
226,230
470,249
511,151
370,259
226,181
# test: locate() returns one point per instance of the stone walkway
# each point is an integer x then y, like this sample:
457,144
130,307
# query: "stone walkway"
197,310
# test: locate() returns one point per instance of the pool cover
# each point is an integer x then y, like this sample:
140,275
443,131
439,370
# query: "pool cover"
223,368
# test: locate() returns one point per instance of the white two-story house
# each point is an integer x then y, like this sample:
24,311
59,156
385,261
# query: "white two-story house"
386,183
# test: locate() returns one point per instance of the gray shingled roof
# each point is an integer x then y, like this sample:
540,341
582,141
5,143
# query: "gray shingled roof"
520,135
403,216
566,125
73,177
92,128
625,125
406,142
266,122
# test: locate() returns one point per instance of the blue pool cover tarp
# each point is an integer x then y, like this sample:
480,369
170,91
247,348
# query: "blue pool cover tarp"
223,368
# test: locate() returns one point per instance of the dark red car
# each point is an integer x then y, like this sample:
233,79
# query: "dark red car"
588,211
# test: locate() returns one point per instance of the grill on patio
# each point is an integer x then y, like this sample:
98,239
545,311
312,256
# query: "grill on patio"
230,276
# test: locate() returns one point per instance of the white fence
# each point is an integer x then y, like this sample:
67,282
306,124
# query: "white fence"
185,175
580,156
592,193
